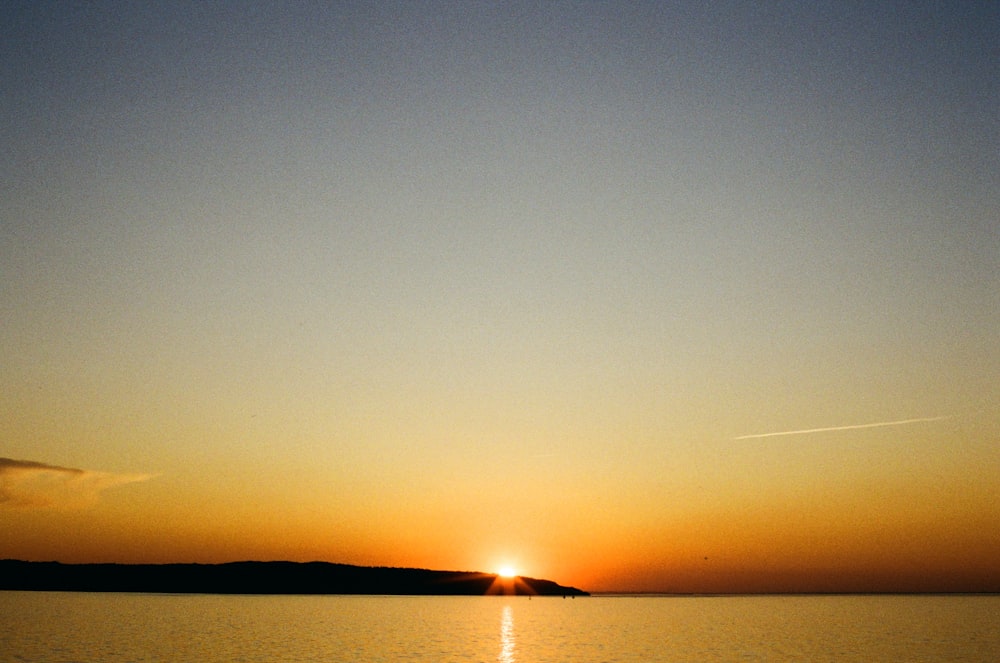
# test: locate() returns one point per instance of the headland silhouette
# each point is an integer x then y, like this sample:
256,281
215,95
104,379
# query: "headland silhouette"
266,578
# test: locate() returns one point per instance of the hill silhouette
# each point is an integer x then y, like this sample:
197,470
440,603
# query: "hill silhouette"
265,578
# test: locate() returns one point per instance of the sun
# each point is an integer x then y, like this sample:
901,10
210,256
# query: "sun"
507,572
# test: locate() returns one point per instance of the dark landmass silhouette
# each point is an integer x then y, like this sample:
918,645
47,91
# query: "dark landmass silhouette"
265,578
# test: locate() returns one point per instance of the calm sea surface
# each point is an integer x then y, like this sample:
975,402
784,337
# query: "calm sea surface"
56,626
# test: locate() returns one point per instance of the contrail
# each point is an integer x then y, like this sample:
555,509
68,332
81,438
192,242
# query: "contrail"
899,422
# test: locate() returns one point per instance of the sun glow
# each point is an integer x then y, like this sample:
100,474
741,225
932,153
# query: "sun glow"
507,572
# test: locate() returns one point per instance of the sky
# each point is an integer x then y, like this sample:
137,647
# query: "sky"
669,297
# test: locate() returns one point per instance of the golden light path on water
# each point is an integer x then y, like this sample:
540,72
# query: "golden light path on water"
506,635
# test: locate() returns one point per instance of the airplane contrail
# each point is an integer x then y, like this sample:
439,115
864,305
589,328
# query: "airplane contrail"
805,431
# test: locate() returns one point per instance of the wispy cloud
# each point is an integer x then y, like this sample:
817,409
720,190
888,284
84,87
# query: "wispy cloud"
29,484
806,431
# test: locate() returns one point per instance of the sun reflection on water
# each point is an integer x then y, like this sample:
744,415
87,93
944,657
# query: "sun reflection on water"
506,635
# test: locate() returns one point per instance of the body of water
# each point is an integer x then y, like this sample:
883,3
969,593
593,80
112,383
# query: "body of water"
63,627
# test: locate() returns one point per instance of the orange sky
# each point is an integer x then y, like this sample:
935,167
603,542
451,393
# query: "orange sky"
636,298
807,520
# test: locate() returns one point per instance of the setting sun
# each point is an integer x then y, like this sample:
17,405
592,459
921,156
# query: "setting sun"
506,572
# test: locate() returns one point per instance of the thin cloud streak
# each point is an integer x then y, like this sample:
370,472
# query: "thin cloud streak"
30,484
806,431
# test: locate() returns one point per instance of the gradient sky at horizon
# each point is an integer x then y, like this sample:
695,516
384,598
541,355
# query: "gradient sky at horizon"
463,285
